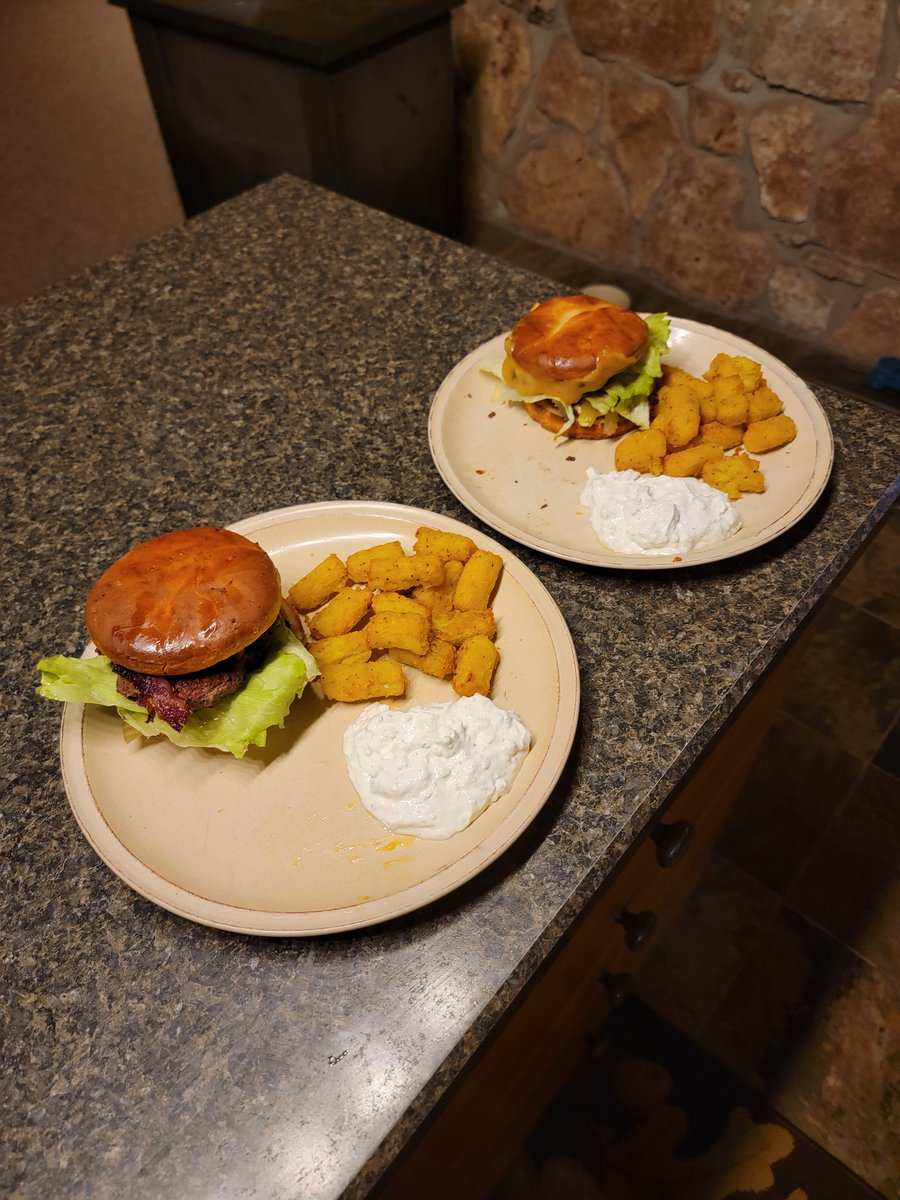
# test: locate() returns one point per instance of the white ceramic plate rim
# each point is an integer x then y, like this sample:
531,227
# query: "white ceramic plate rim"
170,896
453,474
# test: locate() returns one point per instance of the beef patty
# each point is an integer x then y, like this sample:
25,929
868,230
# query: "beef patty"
173,698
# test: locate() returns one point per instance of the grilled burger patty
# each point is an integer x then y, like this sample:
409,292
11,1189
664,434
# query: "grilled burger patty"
173,698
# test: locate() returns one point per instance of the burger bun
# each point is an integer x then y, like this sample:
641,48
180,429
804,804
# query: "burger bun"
184,601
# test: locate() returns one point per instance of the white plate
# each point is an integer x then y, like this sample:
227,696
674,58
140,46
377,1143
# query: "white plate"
511,473
278,843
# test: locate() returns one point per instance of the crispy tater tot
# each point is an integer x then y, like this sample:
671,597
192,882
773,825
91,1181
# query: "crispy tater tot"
455,627
714,433
439,660
690,461
476,661
383,602
734,474
358,562
319,584
446,546
398,574
342,612
731,400
642,451
354,681
477,581
343,647
761,436
763,403
406,631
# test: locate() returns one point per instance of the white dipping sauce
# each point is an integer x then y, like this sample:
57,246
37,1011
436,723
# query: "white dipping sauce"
634,513
430,770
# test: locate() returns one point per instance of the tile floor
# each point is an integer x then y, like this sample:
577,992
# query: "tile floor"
785,965
784,968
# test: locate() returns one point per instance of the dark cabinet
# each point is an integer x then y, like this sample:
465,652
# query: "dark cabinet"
358,97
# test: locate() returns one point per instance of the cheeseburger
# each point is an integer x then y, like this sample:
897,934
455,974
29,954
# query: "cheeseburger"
191,643
584,368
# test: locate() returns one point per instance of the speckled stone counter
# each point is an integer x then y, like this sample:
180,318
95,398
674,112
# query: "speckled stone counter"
206,377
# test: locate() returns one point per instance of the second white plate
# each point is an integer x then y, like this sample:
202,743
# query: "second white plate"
511,473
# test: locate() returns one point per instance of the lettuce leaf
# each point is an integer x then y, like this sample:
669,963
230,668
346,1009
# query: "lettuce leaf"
232,724
627,393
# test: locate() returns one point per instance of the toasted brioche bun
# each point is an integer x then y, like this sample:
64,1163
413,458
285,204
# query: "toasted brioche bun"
551,418
569,345
183,602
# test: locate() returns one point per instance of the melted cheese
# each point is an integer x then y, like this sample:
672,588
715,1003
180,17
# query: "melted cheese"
567,391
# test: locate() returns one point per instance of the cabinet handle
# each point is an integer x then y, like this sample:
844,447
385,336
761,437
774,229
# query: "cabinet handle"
638,927
671,841
617,986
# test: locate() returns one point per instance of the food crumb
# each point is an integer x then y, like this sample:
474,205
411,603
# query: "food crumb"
677,558
480,471
544,505
570,458
491,414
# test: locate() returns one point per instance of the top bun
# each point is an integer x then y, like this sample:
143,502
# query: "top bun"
183,602
568,345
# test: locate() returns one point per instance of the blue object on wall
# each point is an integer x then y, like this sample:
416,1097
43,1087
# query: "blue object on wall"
886,374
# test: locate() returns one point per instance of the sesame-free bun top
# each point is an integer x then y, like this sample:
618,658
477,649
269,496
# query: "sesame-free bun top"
183,602
569,345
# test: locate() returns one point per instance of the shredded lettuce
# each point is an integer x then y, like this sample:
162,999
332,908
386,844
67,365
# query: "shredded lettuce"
233,724
627,393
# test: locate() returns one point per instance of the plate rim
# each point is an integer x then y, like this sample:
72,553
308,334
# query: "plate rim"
718,552
175,898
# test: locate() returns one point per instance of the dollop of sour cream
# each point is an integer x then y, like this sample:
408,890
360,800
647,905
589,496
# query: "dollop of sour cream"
430,770
634,513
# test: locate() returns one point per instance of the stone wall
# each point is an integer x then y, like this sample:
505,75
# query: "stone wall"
743,155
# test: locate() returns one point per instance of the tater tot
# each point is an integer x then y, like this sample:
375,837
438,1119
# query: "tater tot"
714,433
763,403
760,436
691,461
446,546
679,416
476,662
721,365
343,647
398,574
735,474
749,372
350,682
383,602
476,581
439,660
707,397
641,451
358,562
319,584
406,631
341,613
731,400
439,597
455,627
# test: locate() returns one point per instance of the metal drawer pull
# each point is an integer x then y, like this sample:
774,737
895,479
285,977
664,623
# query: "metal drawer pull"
672,841
638,927
617,986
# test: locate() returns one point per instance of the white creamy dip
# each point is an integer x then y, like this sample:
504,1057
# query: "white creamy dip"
430,770
634,513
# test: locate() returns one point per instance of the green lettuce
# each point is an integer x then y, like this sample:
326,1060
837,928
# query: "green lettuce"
232,724
627,393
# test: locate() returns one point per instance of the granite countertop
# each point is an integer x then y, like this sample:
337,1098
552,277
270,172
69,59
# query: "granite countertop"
194,381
